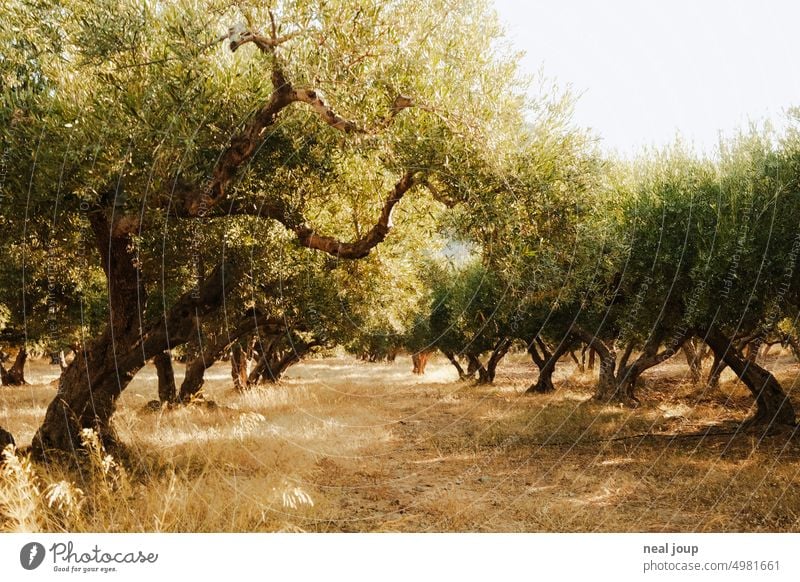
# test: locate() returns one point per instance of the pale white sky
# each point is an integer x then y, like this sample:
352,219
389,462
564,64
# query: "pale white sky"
649,70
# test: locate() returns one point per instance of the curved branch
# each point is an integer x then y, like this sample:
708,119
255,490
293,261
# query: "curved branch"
361,247
199,201
329,116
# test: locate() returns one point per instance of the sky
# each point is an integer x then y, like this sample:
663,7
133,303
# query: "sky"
646,71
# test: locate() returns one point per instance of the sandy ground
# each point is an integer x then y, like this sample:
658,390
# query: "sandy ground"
343,445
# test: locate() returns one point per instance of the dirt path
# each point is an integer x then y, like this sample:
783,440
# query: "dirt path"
462,458
342,445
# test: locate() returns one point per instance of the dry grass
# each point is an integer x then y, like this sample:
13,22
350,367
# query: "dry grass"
347,446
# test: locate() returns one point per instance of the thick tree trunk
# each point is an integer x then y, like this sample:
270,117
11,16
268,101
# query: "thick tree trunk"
607,388
498,353
773,406
693,360
274,362
618,381
194,377
167,392
420,361
628,375
715,373
546,361
15,375
6,438
273,366
89,387
288,360
475,366
263,354
238,367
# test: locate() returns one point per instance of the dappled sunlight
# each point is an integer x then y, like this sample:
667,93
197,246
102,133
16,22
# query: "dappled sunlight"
346,445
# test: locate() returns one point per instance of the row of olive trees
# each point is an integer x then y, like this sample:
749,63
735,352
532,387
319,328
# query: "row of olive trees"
663,255
210,167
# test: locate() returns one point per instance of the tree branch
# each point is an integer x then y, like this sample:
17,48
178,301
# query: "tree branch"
361,247
238,34
198,202
329,116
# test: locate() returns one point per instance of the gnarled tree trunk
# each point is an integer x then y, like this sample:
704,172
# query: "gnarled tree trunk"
238,366
167,392
276,359
498,353
693,360
773,406
617,380
419,361
546,360
15,375
628,375
607,388
89,387
195,369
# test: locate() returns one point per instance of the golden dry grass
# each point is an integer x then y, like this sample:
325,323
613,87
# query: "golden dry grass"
342,445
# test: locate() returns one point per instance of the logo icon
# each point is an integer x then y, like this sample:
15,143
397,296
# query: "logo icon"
31,555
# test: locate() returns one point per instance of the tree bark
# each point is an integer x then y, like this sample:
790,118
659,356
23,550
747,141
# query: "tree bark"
262,356
167,392
238,366
498,353
475,366
15,375
274,362
693,360
420,361
773,406
546,361
195,369
89,387
715,373
628,375
607,388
